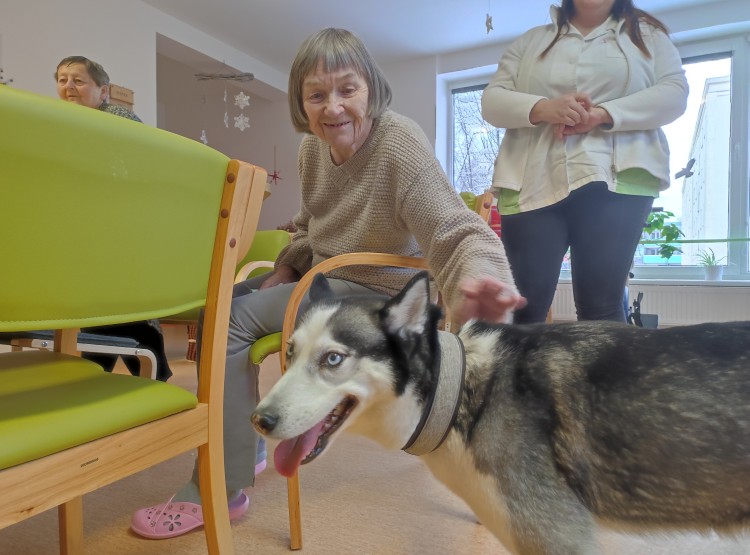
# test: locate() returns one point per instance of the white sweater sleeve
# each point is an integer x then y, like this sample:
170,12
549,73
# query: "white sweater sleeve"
660,104
502,104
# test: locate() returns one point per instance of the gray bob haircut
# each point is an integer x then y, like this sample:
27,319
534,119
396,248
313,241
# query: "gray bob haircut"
336,49
95,70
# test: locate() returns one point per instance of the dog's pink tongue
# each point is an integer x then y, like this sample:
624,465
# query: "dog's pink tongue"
290,453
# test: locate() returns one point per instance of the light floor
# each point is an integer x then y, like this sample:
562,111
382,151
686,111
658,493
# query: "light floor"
357,499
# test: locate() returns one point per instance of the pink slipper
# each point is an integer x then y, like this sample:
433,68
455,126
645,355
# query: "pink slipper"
172,519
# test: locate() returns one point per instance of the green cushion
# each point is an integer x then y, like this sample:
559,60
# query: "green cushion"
50,402
266,345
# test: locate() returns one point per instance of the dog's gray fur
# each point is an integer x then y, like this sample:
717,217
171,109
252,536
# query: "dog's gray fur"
561,426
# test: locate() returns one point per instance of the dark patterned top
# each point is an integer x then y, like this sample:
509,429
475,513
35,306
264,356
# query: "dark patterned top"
118,110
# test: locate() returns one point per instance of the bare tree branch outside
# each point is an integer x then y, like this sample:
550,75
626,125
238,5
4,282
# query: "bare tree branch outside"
475,142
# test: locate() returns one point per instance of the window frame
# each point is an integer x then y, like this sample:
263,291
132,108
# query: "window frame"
690,46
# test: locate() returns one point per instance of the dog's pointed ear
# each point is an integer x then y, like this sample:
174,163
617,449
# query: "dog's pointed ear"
320,288
409,310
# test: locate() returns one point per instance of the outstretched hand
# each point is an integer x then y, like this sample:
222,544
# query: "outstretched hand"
487,299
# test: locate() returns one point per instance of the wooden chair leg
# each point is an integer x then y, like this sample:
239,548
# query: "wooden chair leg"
214,497
148,368
192,333
295,520
70,522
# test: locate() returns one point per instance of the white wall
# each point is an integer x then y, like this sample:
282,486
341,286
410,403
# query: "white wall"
121,36
188,107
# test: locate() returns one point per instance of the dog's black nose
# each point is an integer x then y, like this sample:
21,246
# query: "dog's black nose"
264,422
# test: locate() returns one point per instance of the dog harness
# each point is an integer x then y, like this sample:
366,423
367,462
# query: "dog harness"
441,408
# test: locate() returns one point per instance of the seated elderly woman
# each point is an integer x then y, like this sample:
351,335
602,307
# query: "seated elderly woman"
370,183
84,82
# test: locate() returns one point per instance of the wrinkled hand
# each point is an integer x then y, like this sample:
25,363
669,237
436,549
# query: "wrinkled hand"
282,274
569,109
487,299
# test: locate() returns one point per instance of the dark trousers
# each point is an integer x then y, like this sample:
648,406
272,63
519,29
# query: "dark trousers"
602,230
147,335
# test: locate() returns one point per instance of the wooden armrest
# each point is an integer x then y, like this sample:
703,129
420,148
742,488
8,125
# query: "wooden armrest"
349,259
250,267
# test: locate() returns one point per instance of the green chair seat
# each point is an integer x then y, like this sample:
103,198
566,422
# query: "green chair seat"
51,401
266,345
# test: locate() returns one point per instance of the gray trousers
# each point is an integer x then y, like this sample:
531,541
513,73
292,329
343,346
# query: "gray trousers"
254,314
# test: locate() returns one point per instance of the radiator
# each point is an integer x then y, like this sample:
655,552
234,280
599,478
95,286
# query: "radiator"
674,304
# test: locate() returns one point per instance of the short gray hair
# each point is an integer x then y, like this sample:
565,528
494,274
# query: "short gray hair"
95,70
336,49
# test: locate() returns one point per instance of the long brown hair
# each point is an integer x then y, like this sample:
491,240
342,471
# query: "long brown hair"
621,9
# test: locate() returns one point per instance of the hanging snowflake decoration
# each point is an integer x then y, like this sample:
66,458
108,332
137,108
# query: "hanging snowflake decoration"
241,122
241,100
226,120
204,139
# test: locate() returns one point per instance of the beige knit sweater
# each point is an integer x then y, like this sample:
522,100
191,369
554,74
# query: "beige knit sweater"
393,197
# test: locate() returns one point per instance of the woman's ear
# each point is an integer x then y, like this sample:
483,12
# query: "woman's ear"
104,93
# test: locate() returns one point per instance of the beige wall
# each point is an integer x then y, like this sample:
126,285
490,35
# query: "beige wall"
121,35
188,106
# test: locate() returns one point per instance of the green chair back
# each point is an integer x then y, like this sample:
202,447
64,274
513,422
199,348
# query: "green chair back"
153,184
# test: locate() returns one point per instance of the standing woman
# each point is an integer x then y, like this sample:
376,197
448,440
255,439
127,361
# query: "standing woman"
582,100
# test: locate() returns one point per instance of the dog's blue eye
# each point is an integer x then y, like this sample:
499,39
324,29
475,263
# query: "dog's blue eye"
334,359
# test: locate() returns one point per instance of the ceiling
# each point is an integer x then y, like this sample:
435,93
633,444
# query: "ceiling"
272,30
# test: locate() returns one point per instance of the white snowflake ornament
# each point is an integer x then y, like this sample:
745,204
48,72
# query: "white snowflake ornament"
241,100
226,120
241,122
204,139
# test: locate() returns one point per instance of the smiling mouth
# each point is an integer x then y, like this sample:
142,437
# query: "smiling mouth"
336,125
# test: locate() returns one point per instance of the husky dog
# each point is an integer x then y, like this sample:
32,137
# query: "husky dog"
555,427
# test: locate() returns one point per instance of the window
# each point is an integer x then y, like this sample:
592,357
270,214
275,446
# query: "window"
710,190
475,142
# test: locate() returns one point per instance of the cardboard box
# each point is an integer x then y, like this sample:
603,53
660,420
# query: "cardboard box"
121,95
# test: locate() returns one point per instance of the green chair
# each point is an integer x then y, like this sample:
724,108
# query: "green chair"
259,259
135,223
266,246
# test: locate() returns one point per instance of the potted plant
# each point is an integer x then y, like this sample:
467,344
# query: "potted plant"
667,232
712,265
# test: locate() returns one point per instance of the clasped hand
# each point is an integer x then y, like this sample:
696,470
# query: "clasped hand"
569,114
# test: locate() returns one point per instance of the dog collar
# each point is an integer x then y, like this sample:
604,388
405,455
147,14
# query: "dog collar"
441,408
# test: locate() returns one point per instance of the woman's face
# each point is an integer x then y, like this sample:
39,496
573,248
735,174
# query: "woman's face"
74,84
336,107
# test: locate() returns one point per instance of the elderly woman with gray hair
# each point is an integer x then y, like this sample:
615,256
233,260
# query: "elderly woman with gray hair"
84,82
370,183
